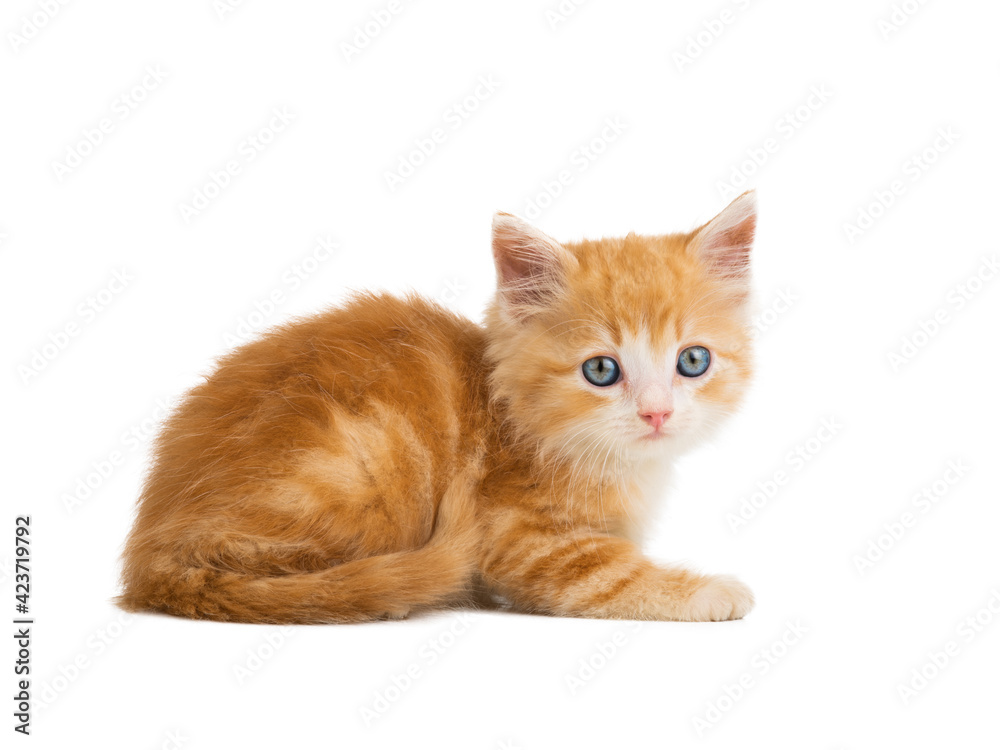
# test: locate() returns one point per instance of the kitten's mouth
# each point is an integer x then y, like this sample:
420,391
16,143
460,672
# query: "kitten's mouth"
655,435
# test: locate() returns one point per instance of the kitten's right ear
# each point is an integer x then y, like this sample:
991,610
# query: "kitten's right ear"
725,242
530,265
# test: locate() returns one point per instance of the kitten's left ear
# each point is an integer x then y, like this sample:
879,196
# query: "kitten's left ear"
724,243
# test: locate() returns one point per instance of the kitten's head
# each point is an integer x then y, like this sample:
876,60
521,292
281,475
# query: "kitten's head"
619,350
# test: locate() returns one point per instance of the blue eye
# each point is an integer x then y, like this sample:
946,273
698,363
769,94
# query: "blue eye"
602,371
693,361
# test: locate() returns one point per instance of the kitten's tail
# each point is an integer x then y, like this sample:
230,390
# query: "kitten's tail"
380,587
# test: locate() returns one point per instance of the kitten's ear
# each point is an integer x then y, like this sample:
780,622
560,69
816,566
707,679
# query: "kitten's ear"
530,265
724,243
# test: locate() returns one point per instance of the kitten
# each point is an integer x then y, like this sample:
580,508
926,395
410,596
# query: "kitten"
391,456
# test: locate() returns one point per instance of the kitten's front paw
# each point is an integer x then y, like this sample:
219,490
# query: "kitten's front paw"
719,598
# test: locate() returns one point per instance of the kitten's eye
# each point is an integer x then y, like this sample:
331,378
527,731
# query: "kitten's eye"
602,371
693,361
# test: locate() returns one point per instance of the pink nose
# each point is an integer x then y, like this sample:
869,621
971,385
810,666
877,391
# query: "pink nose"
656,418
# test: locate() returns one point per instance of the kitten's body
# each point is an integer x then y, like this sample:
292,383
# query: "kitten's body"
390,456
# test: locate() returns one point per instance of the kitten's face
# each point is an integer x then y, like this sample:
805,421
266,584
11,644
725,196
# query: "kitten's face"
627,348
659,367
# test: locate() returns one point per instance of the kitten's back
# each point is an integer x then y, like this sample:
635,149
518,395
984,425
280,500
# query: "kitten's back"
329,442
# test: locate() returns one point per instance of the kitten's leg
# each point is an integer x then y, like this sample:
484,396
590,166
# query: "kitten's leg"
589,574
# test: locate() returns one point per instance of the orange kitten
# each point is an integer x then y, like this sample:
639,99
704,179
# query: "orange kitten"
390,456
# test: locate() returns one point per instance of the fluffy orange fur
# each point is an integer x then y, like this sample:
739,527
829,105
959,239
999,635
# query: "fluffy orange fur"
391,456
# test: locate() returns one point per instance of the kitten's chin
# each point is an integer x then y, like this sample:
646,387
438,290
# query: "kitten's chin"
672,442
662,436
656,435
654,445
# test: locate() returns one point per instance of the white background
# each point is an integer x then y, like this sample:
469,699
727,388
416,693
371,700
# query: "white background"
741,107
